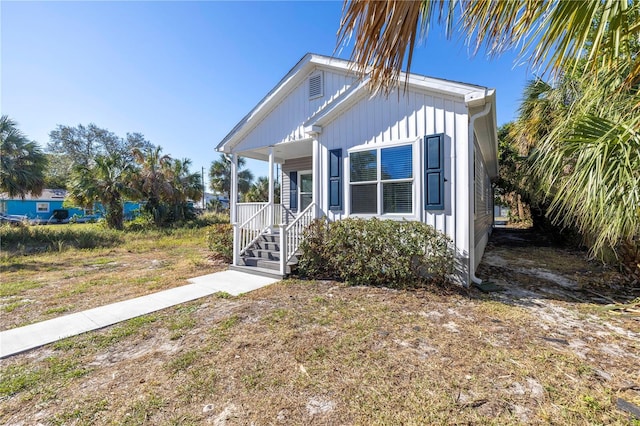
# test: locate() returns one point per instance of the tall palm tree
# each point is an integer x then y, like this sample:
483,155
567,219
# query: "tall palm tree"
22,163
549,33
259,191
107,182
220,176
186,186
152,181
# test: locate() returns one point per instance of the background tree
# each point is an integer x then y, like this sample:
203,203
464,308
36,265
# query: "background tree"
152,181
220,176
107,181
57,174
186,186
81,144
259,191
22,163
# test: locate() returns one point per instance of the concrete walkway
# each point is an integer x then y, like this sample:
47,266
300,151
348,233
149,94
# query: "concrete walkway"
35,335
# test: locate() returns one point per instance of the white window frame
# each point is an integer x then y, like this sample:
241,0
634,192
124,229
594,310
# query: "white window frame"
415,179
300,173
42,207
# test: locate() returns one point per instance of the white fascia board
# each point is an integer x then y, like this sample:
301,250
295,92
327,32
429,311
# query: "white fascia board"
486,128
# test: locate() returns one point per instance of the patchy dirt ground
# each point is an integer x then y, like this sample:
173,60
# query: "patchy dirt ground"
42,286
549,349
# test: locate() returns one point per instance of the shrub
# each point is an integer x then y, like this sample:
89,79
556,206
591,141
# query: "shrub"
220,241
376,252
142,222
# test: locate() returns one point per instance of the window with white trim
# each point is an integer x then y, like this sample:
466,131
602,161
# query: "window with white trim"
381,180
42,207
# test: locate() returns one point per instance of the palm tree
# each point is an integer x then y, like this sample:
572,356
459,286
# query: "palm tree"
22,163
152,181
186,186
551,33
259,191
107,182
220,176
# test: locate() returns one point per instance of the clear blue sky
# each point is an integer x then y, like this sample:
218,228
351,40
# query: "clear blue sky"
184,73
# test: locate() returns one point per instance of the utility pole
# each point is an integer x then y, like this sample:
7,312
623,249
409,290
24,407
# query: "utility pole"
204,206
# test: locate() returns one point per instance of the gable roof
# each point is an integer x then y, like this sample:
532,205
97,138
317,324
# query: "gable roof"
467,92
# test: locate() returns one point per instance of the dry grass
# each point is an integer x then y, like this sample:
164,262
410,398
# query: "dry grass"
41,286
323,353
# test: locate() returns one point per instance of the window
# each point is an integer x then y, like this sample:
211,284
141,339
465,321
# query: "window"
384,174
42,207
306,189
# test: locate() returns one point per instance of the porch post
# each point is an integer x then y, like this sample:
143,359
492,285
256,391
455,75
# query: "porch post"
271,187
315,173
233,201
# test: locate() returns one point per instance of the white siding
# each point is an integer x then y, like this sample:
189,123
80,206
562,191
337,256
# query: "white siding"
284,123
296,164
483,218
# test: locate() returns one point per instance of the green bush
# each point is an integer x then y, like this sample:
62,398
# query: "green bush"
220,241
376,252
142,222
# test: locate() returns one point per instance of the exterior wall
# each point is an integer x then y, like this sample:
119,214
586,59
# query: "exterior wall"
381,121
296,108
483,214
296,164
28,208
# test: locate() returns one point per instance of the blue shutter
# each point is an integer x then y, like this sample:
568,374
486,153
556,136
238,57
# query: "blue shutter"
293,190
434,172
335,179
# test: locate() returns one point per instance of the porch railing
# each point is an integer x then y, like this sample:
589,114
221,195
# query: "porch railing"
250,230
291,235
246,210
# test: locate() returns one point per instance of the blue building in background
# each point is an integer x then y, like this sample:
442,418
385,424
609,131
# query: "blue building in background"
43,208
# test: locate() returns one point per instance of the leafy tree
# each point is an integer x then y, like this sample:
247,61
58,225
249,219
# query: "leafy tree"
82,144
107,181
220,176
259,191
22,163
57,174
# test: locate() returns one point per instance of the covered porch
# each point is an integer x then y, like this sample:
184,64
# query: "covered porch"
267,235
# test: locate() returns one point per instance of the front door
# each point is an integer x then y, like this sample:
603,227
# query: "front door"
305,179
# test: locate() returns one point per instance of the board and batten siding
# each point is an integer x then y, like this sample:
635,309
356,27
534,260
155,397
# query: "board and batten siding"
483,217
378,121
284,123
295,164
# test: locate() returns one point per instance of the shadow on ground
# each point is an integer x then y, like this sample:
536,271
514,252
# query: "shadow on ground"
532,265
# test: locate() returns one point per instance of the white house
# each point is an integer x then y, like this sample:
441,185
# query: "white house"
426,152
